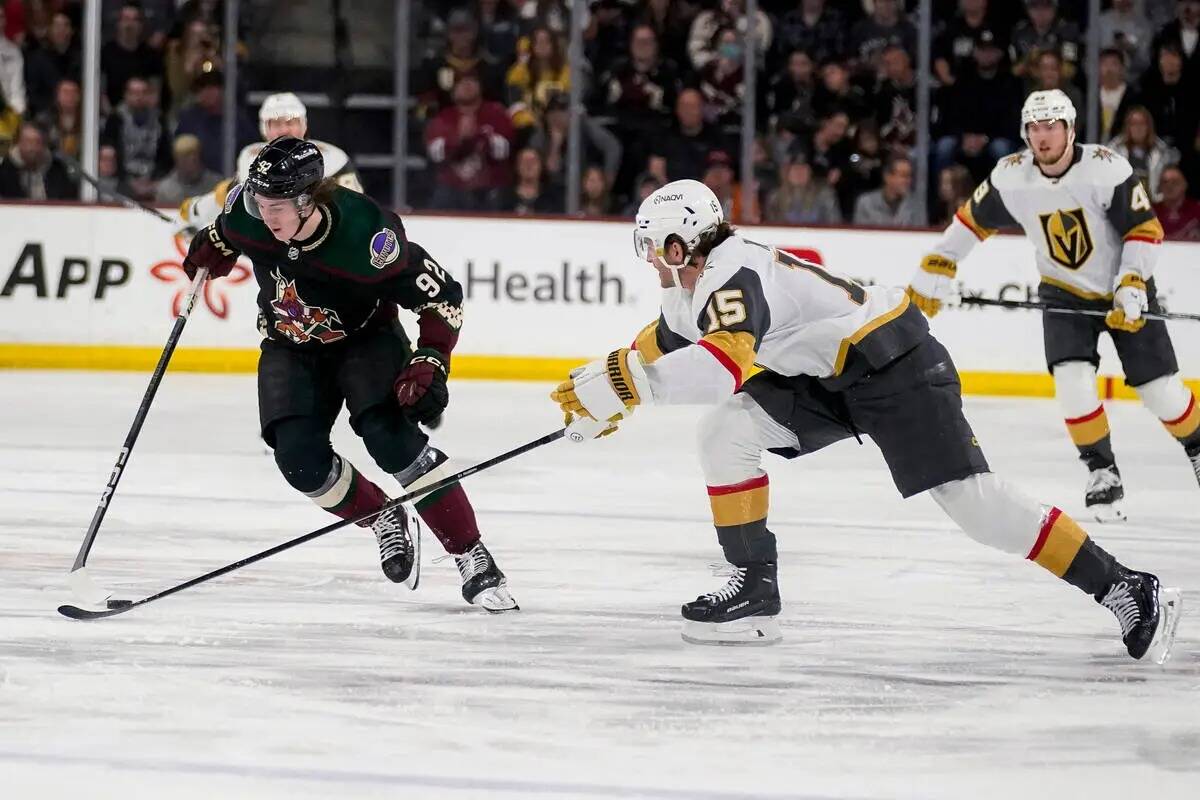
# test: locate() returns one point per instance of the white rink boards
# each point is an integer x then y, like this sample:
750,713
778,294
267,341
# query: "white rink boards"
915,663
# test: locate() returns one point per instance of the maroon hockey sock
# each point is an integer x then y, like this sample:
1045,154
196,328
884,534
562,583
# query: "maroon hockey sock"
348,494
449,514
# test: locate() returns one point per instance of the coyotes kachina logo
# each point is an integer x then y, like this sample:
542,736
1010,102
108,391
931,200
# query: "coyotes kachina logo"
299,321
1068,240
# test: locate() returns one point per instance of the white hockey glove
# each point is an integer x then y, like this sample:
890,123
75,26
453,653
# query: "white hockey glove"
1129,301
604,391
932,284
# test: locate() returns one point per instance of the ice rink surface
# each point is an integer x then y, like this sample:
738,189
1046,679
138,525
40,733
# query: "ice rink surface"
915,663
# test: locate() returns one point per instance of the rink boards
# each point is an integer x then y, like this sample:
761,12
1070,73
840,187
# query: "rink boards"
97,288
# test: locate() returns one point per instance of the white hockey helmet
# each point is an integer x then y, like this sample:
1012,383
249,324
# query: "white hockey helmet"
685,209
1048,106
284,105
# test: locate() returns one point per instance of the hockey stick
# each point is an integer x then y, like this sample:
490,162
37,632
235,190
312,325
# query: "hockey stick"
124,200
1089,312
74,612
81,584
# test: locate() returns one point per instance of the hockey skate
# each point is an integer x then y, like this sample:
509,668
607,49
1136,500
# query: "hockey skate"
1147,612
399,535
483,584
1193,455
1104,494
742,612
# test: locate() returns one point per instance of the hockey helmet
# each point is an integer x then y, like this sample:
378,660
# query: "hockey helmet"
287,168
1048,106
284,105
685,210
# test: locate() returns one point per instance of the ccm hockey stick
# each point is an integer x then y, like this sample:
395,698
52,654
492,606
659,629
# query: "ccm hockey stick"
121,606
81,584
1087,312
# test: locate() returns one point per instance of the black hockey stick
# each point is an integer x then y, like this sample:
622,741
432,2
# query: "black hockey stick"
1088,312
81,584
123,199
74,612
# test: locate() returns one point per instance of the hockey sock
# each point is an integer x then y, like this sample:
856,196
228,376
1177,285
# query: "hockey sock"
447,512
347,494
740,515
1091,436
1065,549
1186,427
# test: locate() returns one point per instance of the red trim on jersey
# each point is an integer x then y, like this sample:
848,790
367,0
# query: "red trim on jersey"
1184,415
734,488
1099,410
958,216
725,361
1044,534
1143,239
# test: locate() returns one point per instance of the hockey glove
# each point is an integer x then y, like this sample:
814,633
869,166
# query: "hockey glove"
606,388
582,429
209,249
421,386
1129,301
931,285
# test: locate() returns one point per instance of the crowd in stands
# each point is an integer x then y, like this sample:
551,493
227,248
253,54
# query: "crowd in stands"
662,92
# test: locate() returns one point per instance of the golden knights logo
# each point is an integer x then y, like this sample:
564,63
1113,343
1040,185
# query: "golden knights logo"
1068,240
1014,160
299,321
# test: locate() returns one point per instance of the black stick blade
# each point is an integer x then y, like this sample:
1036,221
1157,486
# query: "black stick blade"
75,612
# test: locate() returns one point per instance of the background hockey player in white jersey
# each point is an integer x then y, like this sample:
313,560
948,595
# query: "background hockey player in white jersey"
280,115
1097,239
796,357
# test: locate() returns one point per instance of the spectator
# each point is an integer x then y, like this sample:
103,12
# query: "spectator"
31,172
463,56
1178,213
955,185
10,121
1171,100
893,205
469,144
108,174
12,71
64,122
158,17
702,39
128,55
1184,33
802,198
1129,32
719,176
554,14
896,100
980,114
870,37
814,29
766,171
687,147
791,98
864,168
48,63
137,130
1147,153
498,29
532,80
12,25
599,145
606,34
1043,31
532,193
837,93
188,58
644,185
954,47
828,151
204,119
721,80
594,200
1116,95
189,177
641,89
1048,74
671,21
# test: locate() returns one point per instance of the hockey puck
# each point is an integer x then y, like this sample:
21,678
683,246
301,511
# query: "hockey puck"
119,603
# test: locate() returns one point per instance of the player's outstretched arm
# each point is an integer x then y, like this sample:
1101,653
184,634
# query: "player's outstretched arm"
1132,215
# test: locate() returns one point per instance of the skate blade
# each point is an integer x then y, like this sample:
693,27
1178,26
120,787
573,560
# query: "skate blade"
495,600
1107,513
744,632
1170,608
414,577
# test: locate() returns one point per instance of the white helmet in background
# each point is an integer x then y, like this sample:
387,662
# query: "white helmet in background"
685,209
284,105
1048,106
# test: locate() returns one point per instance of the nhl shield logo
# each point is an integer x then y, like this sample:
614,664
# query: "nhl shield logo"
293,253
1068,240
384,248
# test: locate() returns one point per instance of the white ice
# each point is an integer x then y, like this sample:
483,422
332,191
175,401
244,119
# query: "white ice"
915,663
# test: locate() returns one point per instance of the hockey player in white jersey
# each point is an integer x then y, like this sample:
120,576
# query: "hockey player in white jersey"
796,357
280,115
1097,239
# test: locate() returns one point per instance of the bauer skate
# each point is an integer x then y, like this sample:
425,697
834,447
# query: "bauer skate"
1104,494
742,612
483,584
1148,614
399,535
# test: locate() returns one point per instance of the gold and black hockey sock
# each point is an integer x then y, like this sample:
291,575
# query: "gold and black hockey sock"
740,516
1065,549
1186,428
1090,434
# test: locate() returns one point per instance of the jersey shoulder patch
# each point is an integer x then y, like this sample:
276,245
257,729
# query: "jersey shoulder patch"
1104,166
235,191
1012,170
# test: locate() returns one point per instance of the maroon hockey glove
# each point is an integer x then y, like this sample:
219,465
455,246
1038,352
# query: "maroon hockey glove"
208,249
421,387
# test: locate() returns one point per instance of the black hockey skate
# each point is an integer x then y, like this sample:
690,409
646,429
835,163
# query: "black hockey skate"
1147,612
1104,494
483,584
399,535
740,612
1193,454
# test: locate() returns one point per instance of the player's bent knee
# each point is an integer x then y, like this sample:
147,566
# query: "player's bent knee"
727,439
303,453
1075,388
991,512
393,442
1166,397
